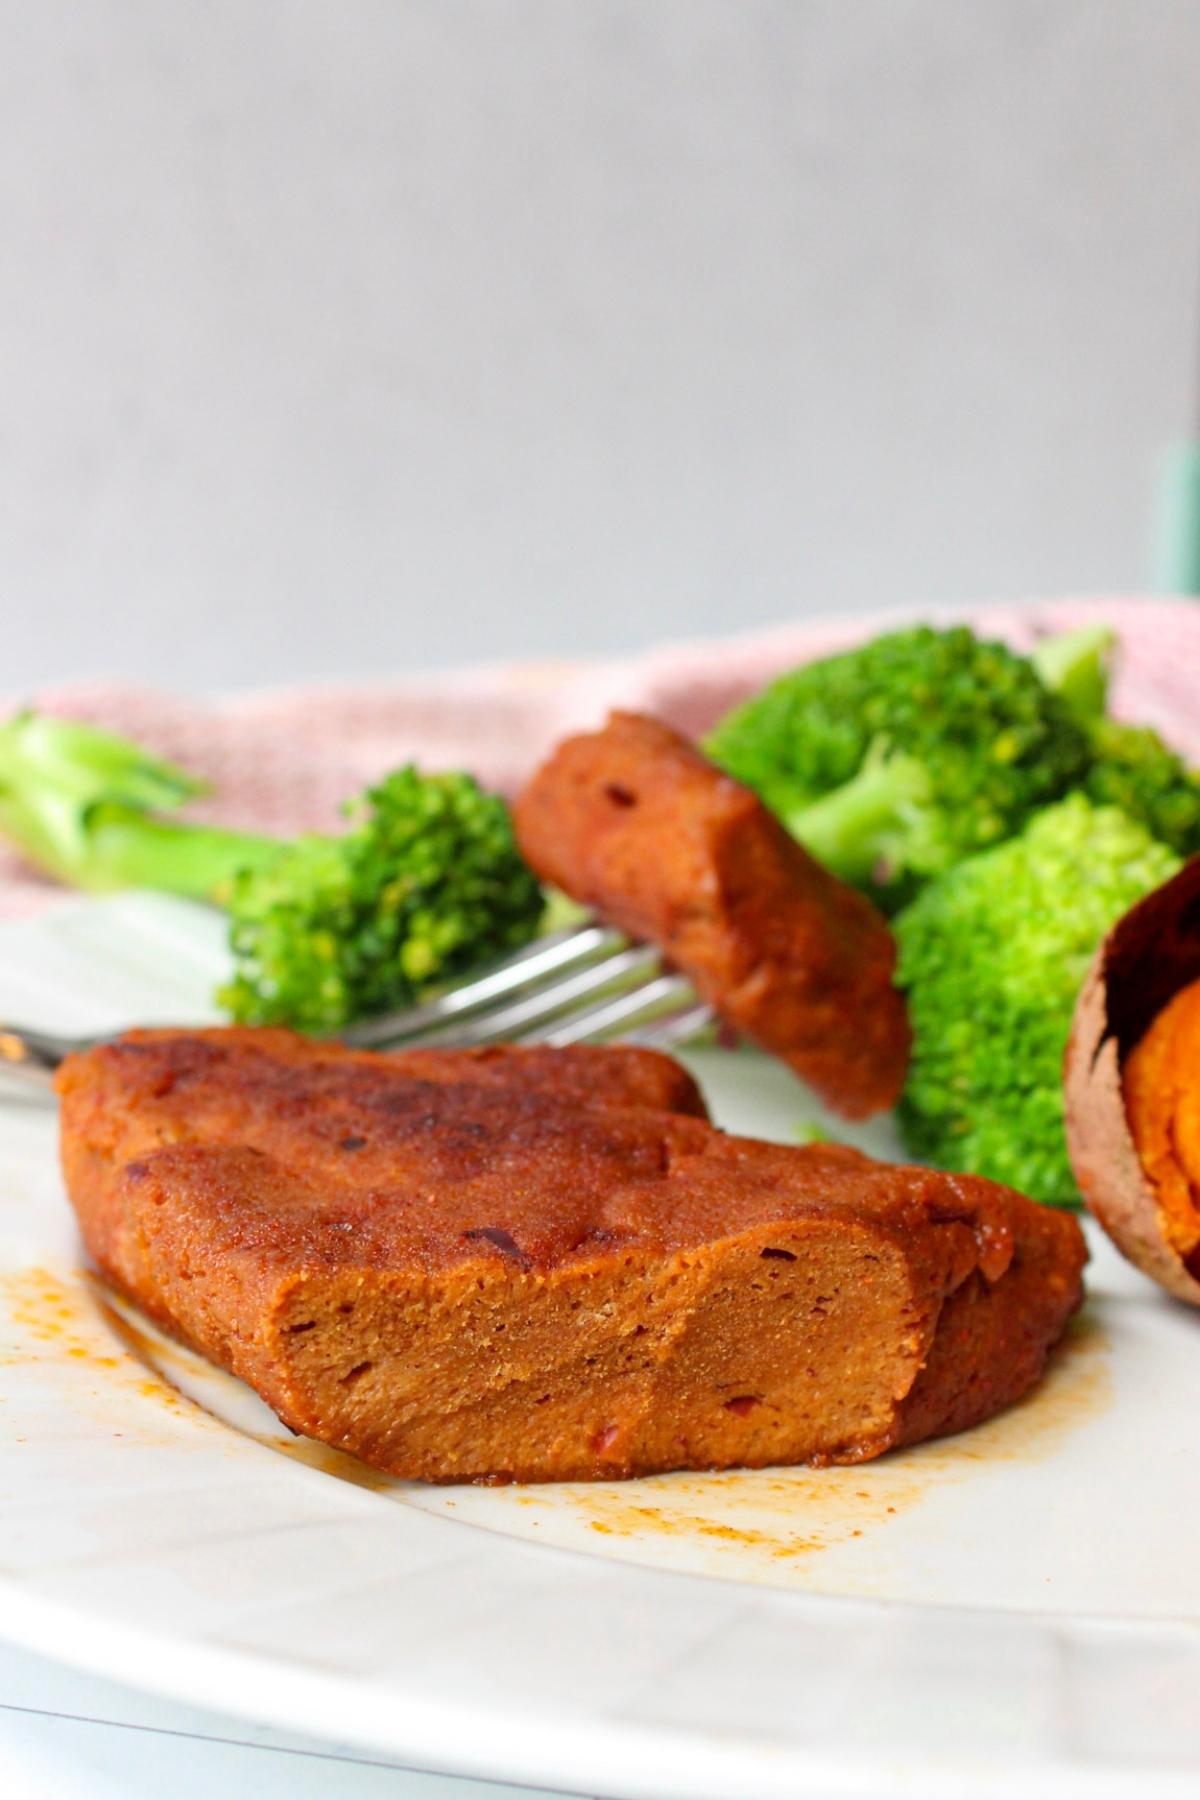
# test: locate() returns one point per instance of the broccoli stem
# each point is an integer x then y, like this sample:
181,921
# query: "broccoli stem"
858,826
1076,665
107,845
88,808
40,756
199,862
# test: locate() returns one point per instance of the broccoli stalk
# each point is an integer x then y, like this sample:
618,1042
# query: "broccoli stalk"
864,829
1077,665
425,884
121,847
86,807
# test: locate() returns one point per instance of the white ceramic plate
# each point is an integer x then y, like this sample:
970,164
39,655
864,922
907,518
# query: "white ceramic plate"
989,1615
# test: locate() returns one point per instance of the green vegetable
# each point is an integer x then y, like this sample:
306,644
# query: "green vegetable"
1077,665
894,761
992,956
1131,767
809,1131
84,806
425,884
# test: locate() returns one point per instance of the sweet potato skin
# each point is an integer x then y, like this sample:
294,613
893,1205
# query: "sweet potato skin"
1161,1087
1149,956
633,821
481,1279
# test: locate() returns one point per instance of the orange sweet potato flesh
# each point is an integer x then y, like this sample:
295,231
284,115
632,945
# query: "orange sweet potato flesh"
546,1266
633,821
1131,1078
1161,1084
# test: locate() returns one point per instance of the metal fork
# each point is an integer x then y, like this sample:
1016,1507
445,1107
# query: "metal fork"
578,986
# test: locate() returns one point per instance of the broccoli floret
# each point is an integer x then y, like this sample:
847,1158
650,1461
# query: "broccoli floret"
992,955
1132,768
426,884
893,761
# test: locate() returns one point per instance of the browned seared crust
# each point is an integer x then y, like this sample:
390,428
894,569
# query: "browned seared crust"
589,1074
633,821
472,1279
1147,957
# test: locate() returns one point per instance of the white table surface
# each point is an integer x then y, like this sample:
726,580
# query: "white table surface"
68,1736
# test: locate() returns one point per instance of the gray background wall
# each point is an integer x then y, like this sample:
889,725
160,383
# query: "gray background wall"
367,336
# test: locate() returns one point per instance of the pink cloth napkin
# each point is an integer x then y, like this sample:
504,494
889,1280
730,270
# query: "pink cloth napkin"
283,761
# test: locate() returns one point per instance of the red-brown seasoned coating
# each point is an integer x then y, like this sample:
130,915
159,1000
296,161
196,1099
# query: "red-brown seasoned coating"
473,1278
635,822
592,1074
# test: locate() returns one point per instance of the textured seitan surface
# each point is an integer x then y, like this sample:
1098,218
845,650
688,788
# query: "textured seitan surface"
526,1267
633,821
589,1074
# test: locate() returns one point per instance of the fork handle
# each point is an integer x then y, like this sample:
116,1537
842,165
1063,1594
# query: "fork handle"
31,1056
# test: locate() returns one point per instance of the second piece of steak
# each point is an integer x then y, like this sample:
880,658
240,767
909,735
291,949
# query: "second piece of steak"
635,822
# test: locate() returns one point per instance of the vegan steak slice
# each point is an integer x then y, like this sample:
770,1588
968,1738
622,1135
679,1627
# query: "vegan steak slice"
633,821
466,1277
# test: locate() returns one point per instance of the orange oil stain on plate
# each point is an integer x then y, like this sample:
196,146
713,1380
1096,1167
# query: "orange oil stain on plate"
52,1312
781,1514
70,1316
154,1353
1076,1387
634,1519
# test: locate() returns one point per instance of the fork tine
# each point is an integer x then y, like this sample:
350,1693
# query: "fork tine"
664,994
524,1018
676,1028
524,969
